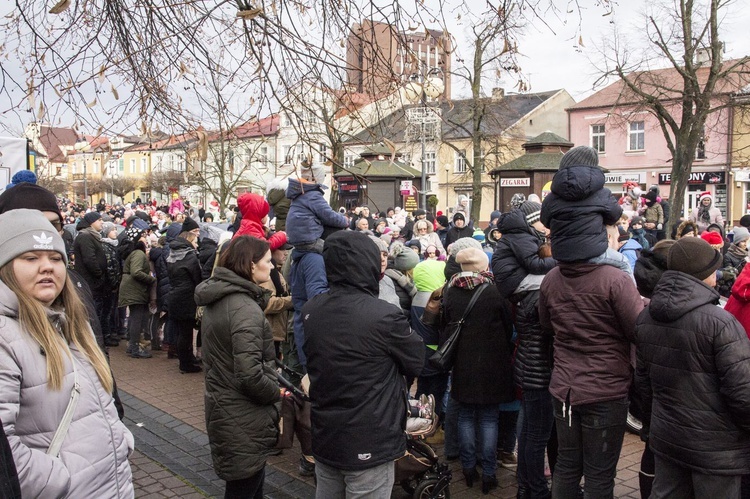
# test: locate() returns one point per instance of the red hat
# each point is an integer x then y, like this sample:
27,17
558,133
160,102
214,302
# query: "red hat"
712,238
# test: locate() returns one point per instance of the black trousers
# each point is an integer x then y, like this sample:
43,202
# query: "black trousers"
183,329
247,488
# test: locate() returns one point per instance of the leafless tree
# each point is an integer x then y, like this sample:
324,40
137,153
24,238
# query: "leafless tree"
55,185
686,37
166,182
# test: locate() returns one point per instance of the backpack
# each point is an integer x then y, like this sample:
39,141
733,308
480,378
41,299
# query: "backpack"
113,273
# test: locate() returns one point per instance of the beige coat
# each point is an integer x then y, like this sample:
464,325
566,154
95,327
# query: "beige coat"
277,310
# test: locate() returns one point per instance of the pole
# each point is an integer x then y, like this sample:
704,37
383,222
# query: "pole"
85,183
423,197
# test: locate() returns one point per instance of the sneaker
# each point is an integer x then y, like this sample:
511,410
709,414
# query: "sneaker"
112,341
306,468
508,460
141,353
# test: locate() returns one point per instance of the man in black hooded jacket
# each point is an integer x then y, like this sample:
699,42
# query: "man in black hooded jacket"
359,349
693,372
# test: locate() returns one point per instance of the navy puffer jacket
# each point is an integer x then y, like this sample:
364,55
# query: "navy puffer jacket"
576,213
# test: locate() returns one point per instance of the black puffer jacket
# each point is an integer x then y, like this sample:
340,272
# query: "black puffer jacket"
576,212
517,253
159,258
359,349
693,372
184,275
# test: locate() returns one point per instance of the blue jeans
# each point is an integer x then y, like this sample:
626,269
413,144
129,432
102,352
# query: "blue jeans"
450,426
590,440
485,416
536,427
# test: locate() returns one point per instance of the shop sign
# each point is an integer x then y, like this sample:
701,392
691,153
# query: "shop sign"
410,203
696,178
515,182
621,178
348,185
405,187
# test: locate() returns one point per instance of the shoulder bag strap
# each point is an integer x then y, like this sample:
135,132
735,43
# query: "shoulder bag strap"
62,429
473,300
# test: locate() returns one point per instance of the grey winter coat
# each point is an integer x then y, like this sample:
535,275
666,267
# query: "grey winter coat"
242,394
93,460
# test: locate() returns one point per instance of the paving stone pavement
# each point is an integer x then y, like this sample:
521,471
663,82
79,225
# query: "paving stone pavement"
164,410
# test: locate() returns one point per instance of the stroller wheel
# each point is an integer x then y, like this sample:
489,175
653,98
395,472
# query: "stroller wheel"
427,490
409,486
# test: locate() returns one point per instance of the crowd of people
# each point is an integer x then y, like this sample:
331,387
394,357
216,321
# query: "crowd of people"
567,310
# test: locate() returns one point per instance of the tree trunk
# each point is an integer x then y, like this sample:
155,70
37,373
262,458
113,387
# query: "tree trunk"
682,164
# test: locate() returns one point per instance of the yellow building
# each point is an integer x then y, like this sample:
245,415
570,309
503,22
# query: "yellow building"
740,158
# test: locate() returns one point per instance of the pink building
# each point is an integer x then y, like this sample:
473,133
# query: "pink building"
632,146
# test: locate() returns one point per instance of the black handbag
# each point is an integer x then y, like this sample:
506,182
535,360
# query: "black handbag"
445,356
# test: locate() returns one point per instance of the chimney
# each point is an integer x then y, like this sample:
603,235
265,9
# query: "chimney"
498,94
703,55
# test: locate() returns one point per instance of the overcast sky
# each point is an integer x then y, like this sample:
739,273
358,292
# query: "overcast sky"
551,59
550,55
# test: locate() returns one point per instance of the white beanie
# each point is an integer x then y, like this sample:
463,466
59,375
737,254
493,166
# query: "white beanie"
25,230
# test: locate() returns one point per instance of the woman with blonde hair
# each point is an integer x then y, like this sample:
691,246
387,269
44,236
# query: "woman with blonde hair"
56,400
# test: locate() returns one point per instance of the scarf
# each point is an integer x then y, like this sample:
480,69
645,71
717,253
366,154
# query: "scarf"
704,215
470,280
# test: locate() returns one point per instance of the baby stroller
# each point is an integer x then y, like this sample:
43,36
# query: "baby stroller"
419,471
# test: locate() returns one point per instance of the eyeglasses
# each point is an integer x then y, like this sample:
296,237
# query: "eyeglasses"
56,224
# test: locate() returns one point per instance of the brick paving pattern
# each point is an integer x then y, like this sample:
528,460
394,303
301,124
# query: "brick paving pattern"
164,410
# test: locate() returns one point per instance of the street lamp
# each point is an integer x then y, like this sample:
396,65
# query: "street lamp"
419,89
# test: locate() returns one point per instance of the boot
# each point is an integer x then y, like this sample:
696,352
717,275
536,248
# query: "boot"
522,493
489,482
470,474
646,482
190,368
172,352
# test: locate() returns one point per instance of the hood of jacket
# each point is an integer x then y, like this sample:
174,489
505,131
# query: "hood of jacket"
352,260
513,221
277,190
173,231
678,293
224,282
575,183
297,188
8,301
253,207
9,306
179,249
